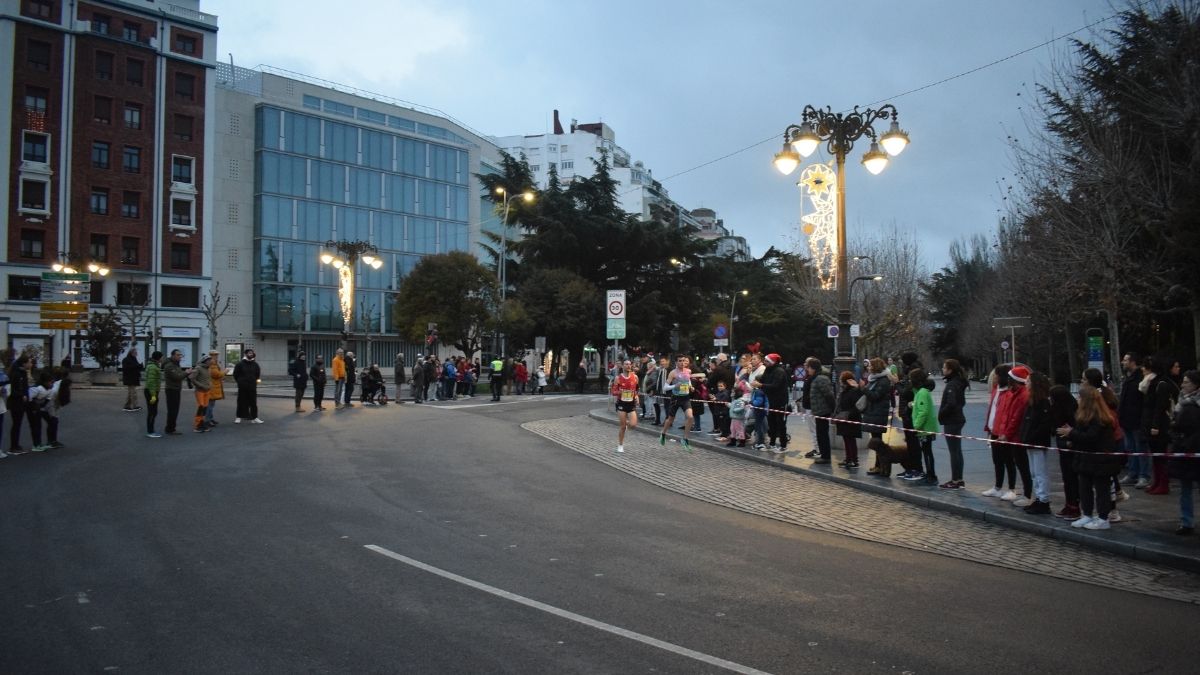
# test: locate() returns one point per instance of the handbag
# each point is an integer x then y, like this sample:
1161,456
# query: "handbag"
894,438
862,403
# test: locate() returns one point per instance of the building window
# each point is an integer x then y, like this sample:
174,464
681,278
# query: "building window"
563,148
100,154
104,66
34,146
103,110
131,204
99,248
535,168
181,256
185,44
185,86
33,195
181,212
24,288
100,23
552,147
133,294
181,169
181,296
183,127
38,55
39,9
131,159
129,250
135,72
32,243
568,165
99,201
96,292
132,32
133,116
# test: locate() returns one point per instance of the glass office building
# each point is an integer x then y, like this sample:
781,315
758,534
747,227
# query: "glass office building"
318,180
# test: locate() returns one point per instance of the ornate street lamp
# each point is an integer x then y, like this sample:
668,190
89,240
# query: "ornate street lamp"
342,256
839,131
69,262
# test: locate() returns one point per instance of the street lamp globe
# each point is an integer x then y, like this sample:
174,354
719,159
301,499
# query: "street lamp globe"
376,263
786,160
875,159
894,140
528,196
327,258
338,264
57,267
806,140
368,259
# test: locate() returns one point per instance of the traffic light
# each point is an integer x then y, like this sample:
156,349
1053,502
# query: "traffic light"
157,333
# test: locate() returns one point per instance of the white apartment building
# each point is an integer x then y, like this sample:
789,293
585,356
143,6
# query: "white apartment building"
713,228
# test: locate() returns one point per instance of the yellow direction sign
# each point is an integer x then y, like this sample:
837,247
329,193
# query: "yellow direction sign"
64,307
60,325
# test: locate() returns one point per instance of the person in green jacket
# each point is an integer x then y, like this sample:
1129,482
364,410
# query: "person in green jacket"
153,382
924,419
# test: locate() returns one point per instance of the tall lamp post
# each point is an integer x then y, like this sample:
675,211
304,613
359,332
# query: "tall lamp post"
69,262
342,256
732,305
839,131
502,262
870,277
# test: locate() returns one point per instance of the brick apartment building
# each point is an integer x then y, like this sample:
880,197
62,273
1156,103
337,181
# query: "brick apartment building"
109,107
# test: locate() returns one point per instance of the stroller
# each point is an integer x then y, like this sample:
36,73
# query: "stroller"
374,391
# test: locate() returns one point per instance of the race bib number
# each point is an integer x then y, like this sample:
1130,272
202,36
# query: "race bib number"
684,389
627,396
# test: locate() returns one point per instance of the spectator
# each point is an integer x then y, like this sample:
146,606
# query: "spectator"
247,374
399,375
1159,392
1132,402
1093,441
418,379
822,404
775,386
924,422
950,416
1062,411
1185,437
348,392
18,396
216,373
848,417
131,377
173,378
581,376
153,382
1037,428
299,372
339,376
318,376
541,380
877,414
43,407
201,376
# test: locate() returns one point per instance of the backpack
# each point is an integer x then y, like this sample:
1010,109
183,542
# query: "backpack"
758,398
737,408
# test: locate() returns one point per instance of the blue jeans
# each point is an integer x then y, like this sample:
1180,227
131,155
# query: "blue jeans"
1138,467
760,426
208,413
1187,509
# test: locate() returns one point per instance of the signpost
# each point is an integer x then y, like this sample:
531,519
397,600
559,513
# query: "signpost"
65,300
614,319
721,336
1095,349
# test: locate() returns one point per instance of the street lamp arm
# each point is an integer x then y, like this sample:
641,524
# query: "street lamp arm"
839,130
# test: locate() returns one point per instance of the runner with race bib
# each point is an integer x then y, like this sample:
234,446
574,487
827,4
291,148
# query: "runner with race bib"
625,389
680,383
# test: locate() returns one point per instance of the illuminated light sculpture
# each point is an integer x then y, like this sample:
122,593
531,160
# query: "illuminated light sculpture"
819,182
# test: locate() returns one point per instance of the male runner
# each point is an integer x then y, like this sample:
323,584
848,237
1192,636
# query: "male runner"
625,388
680,382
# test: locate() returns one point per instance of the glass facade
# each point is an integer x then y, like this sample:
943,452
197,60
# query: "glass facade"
320,179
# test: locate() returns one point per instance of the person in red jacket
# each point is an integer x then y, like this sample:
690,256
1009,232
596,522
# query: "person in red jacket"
1008,427
1005,412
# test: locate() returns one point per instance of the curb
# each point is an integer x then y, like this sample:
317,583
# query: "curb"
1065,533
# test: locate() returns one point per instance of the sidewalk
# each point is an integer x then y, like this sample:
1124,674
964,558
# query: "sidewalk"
1146,531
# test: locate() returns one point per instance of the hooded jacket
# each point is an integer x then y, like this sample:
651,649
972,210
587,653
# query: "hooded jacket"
821,397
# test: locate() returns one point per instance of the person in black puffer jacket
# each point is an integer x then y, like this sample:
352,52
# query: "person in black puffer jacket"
775,386
906,391
247,373
878,392
1185,437
1093,440
1037,428
849,416
950,416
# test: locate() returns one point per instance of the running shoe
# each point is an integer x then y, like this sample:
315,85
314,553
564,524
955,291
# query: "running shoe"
662,439
686,445
620,448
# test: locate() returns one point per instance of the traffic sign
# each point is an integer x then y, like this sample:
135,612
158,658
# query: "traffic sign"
615,329
832,331
73,277
615,305
721,342
539,344
59,325
1004,345
721,331
855,330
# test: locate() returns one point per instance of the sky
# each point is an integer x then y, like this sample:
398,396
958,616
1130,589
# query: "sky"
701,91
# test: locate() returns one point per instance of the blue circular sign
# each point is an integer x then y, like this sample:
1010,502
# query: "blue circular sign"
720,331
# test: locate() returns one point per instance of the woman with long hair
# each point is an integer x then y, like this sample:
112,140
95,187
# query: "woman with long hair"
1062,412
950,415
1185,437
848,417
877,415
1095,378
1093,443
1037,428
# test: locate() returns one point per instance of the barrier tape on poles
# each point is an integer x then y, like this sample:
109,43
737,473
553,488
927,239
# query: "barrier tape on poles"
885,427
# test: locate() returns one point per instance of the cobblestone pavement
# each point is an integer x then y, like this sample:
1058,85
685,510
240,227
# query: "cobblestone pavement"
786,496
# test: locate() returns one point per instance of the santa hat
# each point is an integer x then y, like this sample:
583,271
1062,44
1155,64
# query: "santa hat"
773,358
1019,374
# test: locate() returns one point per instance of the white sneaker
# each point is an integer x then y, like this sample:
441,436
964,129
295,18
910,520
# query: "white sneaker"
991,492
237,420
1142,483
154,435
1121,496
620,448
1009,496
3,454
256,421
1082,522
1098,524
1023,501
1114,516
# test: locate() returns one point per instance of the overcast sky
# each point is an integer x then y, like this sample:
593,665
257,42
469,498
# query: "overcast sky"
684,83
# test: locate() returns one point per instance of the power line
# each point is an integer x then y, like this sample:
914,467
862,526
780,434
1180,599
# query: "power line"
942,81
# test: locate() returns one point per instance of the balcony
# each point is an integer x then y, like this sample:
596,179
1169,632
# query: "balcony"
191,15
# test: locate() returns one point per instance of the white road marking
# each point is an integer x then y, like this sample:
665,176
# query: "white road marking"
571,616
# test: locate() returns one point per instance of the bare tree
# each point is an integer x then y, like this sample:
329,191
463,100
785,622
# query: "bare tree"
133,314
213,310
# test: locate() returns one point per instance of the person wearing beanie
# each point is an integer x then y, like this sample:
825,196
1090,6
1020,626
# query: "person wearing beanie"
999,381
775,386
1007,429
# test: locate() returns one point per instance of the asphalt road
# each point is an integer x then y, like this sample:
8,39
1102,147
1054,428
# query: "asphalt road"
246,550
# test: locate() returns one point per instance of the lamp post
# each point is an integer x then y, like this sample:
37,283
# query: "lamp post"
839,131
870,277
342,256
865,257
70,262
732,305
502,262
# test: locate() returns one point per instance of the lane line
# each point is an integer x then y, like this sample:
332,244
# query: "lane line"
571,616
